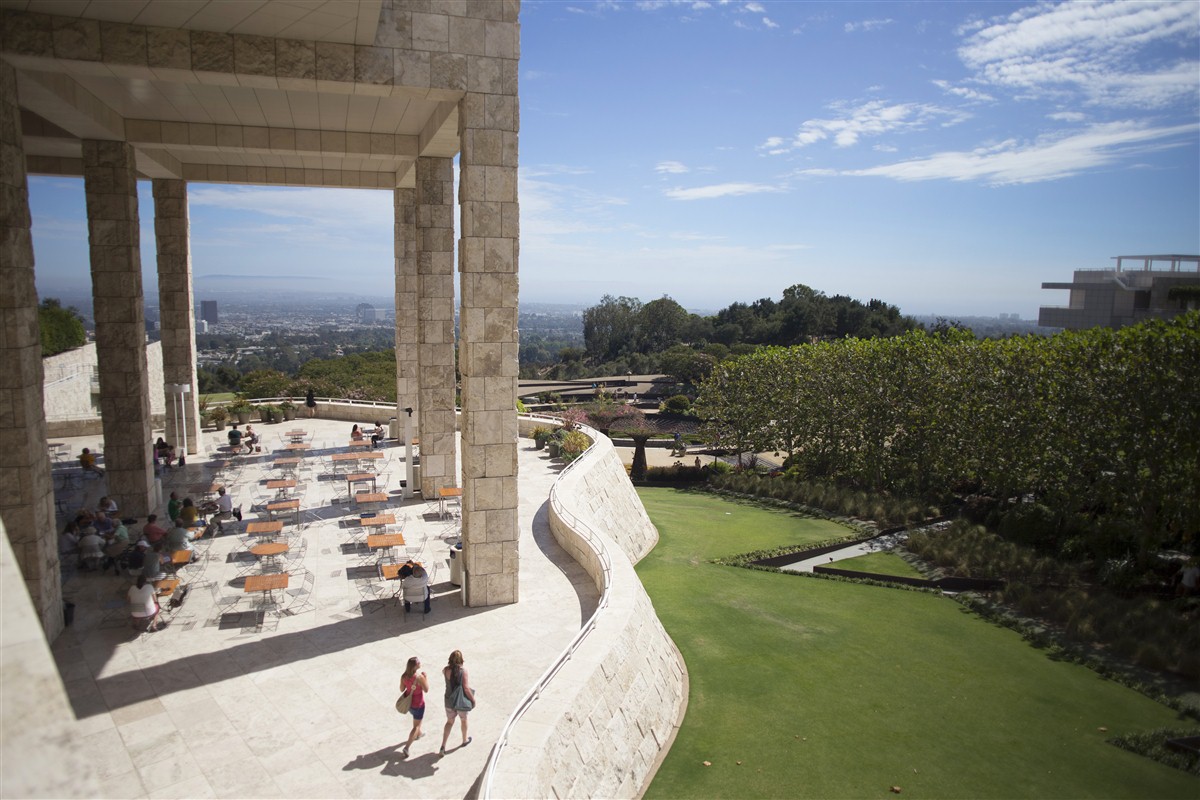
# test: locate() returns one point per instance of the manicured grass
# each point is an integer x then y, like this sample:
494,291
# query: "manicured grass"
217,397
880,564
833,689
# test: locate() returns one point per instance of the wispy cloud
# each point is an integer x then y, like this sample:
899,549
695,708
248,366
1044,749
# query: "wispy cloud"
1045,159
872,118
1067,116
720,190
965,92
1089,47
670,168
867,25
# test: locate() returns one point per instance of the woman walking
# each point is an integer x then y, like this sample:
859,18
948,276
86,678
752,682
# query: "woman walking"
460,698
416,684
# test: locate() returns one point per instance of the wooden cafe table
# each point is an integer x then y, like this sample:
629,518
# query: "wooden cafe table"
267,584
370,498
284,507
264,528
360,477
445,492
279,485
268,553
385,541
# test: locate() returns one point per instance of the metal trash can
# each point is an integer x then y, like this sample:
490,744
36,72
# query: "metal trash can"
393,429
456,565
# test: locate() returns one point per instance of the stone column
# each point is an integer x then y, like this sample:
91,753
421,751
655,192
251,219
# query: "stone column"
488,345
26,489
404,206
110,183
177,312
435,322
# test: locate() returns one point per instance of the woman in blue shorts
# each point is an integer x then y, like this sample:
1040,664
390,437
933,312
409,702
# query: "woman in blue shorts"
417,684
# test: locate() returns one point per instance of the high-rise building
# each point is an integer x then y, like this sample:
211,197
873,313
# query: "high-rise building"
365,312
208,311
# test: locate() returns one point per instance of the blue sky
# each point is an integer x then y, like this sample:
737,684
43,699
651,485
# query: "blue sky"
945,157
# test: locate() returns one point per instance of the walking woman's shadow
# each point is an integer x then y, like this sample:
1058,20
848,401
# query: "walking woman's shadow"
394,765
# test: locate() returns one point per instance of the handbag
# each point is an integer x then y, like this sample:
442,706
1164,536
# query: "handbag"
459,700
404,702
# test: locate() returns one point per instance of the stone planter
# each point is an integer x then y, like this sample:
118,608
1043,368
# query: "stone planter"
242,417
538,444
289,414
552,448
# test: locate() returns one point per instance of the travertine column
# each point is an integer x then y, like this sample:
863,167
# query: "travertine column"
110,183
26,490
404,207
488,342
177,319
435,321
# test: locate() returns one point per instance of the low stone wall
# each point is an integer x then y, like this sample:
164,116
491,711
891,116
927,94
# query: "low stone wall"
599,727
67,391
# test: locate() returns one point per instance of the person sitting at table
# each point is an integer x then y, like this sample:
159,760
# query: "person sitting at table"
178,538
416,588
87,461
68,540
250,439
164,452
173,506
107,505
91,549
102,524
153,532
235,439
355,434
143,605
376,434
188,513
152,564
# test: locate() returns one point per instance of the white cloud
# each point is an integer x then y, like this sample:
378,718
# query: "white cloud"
670,168
964,92
720,190
884,148
1090,47
1046,159
872,118
867,25
767,22
1067,116
754,8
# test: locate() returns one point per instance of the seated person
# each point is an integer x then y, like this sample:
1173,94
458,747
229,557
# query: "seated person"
235,439
164,452
376,434
107,505
91,549
68,541
223,508
102,524
416,588
87,461
188,513
152,564
356,435
250,439
153,532
178,538
143,604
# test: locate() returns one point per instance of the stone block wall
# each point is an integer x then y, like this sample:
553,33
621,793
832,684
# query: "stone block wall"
67,393
600,726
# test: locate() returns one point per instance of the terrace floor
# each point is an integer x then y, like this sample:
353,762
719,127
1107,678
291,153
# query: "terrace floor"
252,704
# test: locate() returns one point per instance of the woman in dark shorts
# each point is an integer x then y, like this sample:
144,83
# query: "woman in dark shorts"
417,684
310,400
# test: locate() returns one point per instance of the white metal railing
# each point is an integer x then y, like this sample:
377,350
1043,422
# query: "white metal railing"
597,545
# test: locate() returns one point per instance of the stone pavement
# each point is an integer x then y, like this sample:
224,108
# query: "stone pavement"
301,705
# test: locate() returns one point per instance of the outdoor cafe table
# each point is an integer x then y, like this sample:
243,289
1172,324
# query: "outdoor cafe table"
357,477
443,493
280,485
264,528
204,489
181,558
391,572
370,498
360,443
284,506
268,552
267,584
287,463
166,586
296,435
297,446
386,541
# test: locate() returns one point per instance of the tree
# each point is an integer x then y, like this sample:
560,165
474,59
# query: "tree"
61,328
662,323
611,327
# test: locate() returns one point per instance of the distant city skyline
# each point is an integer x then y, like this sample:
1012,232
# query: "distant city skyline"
944,157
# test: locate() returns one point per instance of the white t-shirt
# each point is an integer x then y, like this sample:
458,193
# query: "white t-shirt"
225,504
143,602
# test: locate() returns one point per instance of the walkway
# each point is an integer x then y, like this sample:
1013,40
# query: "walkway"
214,706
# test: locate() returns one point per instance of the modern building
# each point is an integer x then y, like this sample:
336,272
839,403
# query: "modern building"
208,311
365,312
1111,298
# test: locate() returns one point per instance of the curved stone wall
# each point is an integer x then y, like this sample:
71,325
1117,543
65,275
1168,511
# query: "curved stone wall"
599,727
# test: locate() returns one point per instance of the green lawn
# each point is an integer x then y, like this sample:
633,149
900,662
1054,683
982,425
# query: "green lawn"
833,689
880,564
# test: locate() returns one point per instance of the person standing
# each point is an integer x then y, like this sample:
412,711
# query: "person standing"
143,604
310,402
416,684
456,678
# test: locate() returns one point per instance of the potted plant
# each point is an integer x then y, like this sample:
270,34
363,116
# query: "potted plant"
241,409
218,416
289,410
540,437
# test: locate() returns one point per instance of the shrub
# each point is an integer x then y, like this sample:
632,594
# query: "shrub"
573,445
676,404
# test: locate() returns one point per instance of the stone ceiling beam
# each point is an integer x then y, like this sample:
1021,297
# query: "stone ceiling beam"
60,98
269,140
